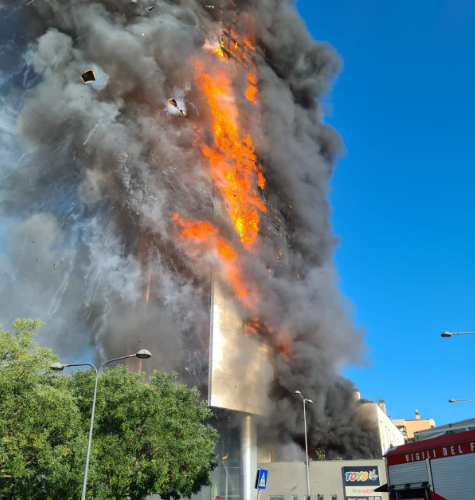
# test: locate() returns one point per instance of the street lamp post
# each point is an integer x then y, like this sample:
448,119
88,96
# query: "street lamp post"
451,334
465,400
306,445
142,354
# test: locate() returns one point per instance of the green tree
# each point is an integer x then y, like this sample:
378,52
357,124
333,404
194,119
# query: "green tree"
148,437
41,447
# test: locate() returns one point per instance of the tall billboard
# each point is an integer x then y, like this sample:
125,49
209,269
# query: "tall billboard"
240,366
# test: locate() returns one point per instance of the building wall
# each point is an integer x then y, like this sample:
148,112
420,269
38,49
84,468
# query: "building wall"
409,427
418,425
287,480
389,434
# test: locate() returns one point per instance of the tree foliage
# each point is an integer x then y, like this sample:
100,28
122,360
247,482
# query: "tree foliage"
320,454
148,437
39,421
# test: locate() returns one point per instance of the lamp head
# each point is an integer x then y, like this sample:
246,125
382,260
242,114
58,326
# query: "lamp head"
310,401
452,401
143,354
446,334
57,367
298,392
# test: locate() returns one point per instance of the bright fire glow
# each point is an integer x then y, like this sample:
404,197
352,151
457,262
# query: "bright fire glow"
251,92
206,233
284,344
233,162
222,55
255,326
147,294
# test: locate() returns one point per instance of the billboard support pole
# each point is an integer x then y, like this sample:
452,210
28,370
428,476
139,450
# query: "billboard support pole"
248,455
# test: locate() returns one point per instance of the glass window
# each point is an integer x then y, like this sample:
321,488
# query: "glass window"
276,497
320,497
295,497
333,497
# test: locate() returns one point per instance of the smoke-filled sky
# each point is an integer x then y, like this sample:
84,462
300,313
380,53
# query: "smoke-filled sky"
110,191
402,196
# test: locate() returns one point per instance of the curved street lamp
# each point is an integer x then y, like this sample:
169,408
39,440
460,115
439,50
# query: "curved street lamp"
465,400
450,334
309,401
58,367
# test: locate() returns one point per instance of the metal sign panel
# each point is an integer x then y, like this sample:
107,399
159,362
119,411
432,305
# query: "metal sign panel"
261,479
240,368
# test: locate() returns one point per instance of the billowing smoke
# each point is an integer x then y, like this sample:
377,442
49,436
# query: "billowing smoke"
93,175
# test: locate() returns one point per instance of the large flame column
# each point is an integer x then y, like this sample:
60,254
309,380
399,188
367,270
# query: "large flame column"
248,456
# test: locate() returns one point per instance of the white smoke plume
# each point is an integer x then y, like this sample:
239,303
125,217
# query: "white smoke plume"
92,174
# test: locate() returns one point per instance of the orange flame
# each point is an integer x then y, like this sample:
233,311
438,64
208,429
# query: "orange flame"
233,162
255,326
251,92
147,294
249,45
284,344
206,233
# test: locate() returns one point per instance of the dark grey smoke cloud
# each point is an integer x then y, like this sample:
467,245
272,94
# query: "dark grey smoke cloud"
92,174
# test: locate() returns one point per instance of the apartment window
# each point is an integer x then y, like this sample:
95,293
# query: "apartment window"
333,497
320,497
295,497
276,497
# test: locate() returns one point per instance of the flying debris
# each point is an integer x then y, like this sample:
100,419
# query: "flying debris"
209,6
88,76
175,104
150,8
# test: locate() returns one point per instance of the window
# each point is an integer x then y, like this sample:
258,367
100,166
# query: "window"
276,497
333,497
295,497
320,497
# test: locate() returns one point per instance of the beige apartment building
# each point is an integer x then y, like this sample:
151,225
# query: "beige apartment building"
409,427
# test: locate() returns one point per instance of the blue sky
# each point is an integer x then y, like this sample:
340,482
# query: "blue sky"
402,196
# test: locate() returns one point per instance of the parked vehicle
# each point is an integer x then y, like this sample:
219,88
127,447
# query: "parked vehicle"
442,468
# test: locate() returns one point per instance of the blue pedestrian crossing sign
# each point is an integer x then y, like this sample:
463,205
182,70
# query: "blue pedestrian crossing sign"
261,479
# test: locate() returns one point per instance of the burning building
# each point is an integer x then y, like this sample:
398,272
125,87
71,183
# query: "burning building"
205,239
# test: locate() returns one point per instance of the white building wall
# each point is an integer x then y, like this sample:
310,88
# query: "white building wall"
389,434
